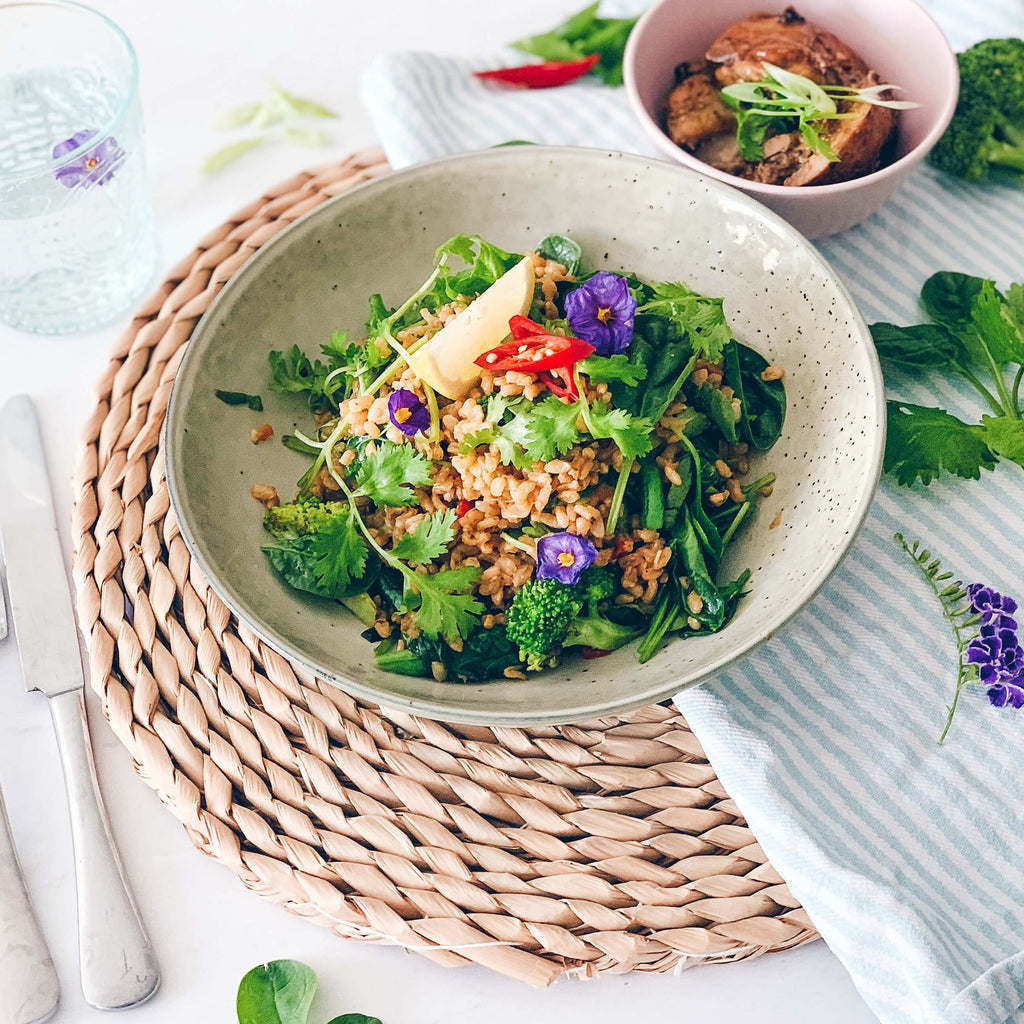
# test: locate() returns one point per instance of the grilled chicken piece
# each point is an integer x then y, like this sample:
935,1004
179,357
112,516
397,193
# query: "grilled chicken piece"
788,41
695,110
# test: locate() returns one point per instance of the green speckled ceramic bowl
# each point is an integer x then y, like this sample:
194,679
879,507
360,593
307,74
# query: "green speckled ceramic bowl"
627,212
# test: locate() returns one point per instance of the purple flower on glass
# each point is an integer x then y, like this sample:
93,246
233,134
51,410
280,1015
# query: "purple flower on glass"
407,412
564,557
601,311
96,165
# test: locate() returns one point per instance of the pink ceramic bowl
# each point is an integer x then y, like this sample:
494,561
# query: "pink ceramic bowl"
896,38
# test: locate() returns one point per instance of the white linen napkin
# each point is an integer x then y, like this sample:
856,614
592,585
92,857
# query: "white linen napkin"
908,856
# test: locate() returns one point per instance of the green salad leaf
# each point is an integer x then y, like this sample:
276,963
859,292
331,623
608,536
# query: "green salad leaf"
279,992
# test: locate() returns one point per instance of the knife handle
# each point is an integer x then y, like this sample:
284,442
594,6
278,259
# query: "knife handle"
29,989
117,962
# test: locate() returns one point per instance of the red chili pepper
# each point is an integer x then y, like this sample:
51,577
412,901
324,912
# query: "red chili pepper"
462,508
541,76
532,353
522,326
567,390
592,653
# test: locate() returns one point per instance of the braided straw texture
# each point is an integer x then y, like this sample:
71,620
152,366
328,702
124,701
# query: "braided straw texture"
603,847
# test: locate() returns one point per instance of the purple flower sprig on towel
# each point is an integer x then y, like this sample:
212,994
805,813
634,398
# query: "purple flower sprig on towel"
988,648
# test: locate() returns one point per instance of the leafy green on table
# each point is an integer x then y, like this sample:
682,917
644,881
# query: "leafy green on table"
280,108
977,335
282,992
581,35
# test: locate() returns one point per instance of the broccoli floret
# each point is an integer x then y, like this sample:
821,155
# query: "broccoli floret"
986,133
539,618
546,615
301,518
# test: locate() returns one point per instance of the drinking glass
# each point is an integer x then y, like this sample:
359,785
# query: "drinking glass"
77,242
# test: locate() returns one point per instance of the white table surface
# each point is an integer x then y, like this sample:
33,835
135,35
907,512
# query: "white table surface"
198,59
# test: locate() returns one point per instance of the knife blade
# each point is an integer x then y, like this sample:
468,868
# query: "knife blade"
118,968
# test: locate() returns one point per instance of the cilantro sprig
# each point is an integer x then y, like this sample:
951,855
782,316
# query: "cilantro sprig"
326,548
977,335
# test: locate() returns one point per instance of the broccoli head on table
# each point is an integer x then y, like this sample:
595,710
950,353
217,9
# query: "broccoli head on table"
986,135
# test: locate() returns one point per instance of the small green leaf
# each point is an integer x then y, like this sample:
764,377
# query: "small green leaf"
1005,436
355,1018
238,116
229,154
605,369
309,137
922,442
300,106
912,348
428,540
254,402
279,992
390,475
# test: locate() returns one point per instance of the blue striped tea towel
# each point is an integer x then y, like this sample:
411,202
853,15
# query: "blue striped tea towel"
908,856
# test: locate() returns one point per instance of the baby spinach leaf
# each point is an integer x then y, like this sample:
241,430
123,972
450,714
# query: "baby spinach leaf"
700,318
762,402
355,1018
923,345
485,654
279,992
718,408
562,250
948,297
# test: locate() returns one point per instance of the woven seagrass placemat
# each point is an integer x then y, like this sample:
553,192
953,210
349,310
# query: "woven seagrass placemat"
602,847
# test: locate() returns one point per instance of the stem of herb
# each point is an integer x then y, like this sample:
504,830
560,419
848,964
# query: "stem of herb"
1015,393
434,434
324,457
993,402
620,491
954,613
517,543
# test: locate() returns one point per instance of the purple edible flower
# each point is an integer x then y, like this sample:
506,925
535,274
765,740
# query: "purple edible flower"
601,311
1007,692
407,412
96,166
992,606
564,557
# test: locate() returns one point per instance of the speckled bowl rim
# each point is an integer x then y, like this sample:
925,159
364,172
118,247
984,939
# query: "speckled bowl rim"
579,711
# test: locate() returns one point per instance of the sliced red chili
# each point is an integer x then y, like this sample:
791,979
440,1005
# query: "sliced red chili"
541,76
556,387
592,653
535,352
522,326
462,508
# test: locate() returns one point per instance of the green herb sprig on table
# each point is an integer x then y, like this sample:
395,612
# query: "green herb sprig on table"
582,35
282,992
282,116
783,101
977,335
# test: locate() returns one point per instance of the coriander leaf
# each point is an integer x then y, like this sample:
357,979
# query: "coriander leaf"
229,154
391,473
1015,305
604,369
997,332
486,435
378,313
486,263
699,317
922,442
428,540
562,250
325,555
447,608
551,429
254,402
1005,436
632,434
279,992
912,348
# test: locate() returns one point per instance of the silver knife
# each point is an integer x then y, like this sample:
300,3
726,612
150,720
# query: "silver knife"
117,963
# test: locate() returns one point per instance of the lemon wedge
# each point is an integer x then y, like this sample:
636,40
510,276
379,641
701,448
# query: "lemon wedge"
445,362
